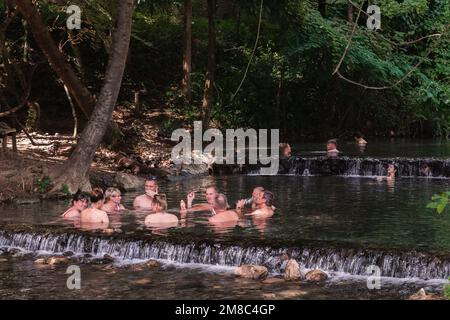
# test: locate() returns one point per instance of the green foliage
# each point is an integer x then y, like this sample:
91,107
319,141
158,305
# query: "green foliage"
44,184
290,84
65,190
447,290
439,202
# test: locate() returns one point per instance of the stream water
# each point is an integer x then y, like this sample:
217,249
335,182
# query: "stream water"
341,223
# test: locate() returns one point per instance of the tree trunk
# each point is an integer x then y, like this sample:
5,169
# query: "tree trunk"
322,6
4,53
74,173
349,12
41,34
187,55
208,94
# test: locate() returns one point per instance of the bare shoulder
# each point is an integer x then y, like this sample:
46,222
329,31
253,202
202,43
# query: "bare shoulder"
71,213
139,198
171,217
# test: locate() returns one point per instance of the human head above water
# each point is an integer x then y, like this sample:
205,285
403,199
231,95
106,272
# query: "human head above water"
113,194
151,185
257,192
285,149
159,203
266,198
80,200
97,195
331,144
211,194
221,202
392,169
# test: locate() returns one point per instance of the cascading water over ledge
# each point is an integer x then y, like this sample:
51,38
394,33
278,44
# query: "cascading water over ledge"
139,245
349,166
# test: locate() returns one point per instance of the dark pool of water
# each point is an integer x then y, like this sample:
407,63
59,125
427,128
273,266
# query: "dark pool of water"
380,148
21,278
360,211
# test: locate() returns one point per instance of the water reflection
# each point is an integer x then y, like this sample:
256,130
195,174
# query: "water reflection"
356,210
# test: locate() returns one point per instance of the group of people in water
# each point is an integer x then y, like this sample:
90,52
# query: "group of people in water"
331,146
98,206
332,152
93,210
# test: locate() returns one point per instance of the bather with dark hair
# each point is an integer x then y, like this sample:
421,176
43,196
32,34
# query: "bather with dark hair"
79,202
391,173
93,216
265,205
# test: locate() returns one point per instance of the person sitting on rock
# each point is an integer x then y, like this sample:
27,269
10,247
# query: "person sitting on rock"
94,216
265,205
79,203
145,201
332,150
220,211
285,150
210,195
112,201
160,218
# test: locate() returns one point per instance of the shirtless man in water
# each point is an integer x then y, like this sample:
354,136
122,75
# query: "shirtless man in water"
112,201
220,211
210,195
332,150
93,217
79,203
161,218
265,206
145,201
256,193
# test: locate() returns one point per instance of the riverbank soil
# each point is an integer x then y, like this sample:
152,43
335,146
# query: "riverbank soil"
140,147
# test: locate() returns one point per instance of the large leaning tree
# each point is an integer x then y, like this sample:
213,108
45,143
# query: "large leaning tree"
74,173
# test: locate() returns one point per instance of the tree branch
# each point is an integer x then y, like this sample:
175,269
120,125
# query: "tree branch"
253,52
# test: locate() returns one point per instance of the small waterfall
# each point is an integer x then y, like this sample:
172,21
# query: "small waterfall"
352,261
349,166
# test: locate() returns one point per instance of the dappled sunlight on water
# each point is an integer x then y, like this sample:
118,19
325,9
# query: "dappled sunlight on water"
345,209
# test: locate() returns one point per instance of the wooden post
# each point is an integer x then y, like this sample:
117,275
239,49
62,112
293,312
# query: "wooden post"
14,141
4,142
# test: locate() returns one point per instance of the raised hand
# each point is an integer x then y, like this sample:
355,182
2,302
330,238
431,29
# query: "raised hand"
183,207
190,198
240,204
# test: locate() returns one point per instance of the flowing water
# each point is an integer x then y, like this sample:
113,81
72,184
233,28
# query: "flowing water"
342,224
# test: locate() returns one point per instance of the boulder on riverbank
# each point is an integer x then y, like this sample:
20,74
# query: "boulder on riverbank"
316,275
423,295
152,264
250,271
128,182
52,260
292,271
